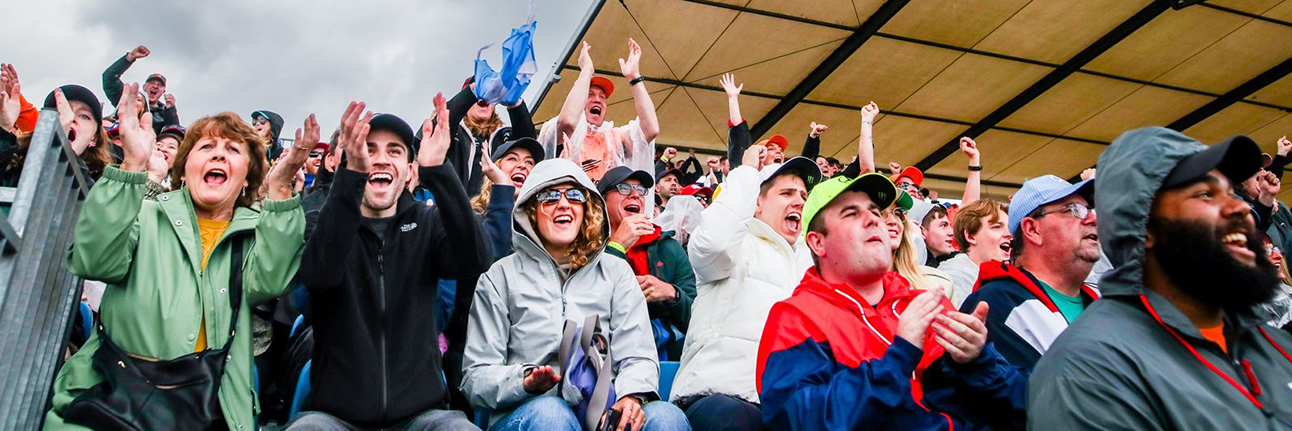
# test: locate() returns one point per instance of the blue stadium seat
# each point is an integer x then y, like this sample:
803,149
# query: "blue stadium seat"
296,325
302,389
667,371
87,319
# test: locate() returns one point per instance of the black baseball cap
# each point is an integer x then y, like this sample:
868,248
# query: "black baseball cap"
659,176
620,174
1238,158
396,125
530,144
78,93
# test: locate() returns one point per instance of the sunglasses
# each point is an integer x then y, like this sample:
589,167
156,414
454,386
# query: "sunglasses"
554,196
1080,211
907,186
316,154
260,121
627,189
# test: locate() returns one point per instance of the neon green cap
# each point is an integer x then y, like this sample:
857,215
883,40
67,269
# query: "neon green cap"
879,187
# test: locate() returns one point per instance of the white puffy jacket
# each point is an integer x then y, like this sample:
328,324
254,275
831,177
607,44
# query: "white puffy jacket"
742,267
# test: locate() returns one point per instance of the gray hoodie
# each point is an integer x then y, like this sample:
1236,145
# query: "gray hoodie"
522,302
1118,367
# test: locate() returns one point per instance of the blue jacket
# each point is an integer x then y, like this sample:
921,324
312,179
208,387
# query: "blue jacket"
828,360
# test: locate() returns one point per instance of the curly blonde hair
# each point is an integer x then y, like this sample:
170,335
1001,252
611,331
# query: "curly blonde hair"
591,238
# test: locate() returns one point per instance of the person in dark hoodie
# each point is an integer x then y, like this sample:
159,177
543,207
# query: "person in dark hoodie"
269,124
1041,291
475,123
371,266
1175,343
160,104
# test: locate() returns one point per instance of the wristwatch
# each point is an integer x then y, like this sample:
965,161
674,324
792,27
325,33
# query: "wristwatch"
636,81
975,168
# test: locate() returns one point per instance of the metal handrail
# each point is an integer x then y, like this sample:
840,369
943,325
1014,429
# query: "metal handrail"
37,293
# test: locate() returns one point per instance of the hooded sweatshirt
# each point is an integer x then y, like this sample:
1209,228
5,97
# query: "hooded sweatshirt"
275,129
1133,360
376,362
523,301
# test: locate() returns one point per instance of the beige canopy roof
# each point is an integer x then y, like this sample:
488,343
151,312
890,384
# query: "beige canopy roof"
1042,86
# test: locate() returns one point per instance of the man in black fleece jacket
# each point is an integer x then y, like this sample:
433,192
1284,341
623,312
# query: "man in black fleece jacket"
371,266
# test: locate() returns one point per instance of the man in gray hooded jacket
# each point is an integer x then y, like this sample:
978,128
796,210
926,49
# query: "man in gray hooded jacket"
1176,341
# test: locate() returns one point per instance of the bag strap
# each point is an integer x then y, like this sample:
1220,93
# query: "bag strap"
235,286
235,293
600,400
567,341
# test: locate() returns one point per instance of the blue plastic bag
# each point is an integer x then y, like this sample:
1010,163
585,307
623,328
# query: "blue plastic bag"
518,66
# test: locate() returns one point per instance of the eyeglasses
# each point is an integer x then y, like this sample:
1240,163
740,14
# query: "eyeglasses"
260,121
1271,249
627,189
316,154
553,196
907,186
898,212
1080,211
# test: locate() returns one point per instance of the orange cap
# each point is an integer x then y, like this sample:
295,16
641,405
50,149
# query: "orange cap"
778,140
605,84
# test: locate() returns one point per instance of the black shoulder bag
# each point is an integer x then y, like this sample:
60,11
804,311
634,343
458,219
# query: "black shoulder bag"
143,394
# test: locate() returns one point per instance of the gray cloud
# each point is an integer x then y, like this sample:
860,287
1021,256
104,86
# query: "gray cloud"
292,57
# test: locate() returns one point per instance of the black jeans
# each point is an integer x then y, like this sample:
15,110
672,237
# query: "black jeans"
723,413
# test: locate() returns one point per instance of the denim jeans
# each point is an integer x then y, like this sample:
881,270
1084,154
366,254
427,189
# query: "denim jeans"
551,413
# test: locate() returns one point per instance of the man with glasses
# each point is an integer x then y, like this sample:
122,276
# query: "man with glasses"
657,258
314,162
1054,246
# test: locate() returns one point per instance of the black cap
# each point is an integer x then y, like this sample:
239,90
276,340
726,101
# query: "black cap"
396,125
1238,158
807,169
620,174
530,144
666,172
82,94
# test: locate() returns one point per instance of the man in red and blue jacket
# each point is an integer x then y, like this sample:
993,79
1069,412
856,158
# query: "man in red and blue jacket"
856,348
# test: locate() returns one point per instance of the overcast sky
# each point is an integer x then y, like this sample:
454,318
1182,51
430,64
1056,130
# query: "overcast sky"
291,57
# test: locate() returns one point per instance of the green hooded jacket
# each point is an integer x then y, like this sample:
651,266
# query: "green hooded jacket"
669,263
149,254
1125,366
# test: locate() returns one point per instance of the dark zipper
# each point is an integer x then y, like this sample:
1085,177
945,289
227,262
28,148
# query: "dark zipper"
381,327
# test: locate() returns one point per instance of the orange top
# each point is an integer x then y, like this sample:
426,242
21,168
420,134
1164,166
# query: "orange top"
211,231
1216,335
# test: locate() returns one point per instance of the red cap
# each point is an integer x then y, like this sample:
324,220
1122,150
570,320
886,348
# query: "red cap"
913,173
605,84
322,145
156,76
778,140
696,189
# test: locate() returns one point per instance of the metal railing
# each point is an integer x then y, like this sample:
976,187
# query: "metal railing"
37,292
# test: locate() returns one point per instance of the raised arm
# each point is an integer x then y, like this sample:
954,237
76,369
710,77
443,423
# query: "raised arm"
713,250
812,145
866,142
738,138
336,231
458,247
112,76
578,97
631,69
107,230
1280,161
973,185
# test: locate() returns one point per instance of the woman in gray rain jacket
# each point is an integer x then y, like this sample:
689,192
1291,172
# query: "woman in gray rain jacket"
558,272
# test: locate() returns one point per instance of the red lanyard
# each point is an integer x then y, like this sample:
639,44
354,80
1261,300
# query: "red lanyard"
1204,361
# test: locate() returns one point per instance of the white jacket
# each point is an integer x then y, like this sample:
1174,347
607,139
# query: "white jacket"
742,267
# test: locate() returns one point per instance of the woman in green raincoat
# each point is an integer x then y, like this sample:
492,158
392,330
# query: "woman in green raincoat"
167,262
